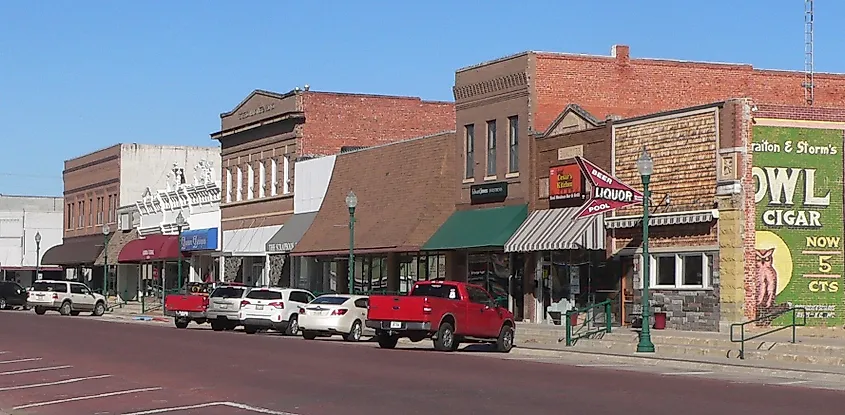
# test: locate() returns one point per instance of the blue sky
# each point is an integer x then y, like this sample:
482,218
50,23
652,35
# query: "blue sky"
76,76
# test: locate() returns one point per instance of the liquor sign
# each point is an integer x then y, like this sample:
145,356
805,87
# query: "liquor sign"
566,187
607,193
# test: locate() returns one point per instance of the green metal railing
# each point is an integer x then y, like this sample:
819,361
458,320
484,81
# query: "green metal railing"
795,323
588,325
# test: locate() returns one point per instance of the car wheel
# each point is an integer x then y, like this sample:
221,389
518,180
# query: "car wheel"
40,310
3,303
293,326
217,326
99,309
231,326
504,343
355,332
387,342
250,329
65,309
445,341
182,323
308,335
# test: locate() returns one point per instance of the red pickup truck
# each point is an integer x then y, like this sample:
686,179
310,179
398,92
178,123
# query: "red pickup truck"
190,306
448,312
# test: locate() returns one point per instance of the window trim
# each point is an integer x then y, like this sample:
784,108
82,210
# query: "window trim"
469,151
513,144
707,277
491,149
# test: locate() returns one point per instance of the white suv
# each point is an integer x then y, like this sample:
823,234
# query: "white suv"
223,306
66,297
273,309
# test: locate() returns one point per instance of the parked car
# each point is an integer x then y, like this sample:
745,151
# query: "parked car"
273,309
224,304
190,306
335,314
448,312
66,297
12,295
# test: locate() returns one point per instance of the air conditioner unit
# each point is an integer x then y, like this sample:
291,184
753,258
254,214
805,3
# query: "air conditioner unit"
123,222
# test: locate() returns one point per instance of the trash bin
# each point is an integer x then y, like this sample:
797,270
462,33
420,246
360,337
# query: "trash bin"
659,320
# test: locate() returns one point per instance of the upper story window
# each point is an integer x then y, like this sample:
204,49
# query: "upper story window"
70,216
469,149
513,144
250,181
491,148
262,179
228,185
274,172
80,207
91,211
239,195
286,175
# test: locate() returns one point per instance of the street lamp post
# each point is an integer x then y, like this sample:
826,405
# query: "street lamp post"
645,166
351,203
180,223
106,231
37,256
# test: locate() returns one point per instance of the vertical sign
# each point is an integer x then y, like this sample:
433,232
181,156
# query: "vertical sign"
798,259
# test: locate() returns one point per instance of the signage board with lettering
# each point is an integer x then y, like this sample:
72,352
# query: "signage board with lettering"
199,240
798,257
566,186
488,192
281,247
607,193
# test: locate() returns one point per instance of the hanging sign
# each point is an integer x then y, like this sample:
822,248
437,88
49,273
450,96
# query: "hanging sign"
607,193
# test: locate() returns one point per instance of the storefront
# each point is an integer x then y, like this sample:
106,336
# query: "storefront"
203,249
121,277
282,265
77,256
246,256
155,260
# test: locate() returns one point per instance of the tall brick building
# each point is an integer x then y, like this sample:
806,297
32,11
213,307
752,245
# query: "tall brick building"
267,132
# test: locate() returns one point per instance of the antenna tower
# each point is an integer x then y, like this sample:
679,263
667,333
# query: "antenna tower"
809,71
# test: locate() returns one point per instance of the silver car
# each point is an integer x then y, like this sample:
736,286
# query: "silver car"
223,306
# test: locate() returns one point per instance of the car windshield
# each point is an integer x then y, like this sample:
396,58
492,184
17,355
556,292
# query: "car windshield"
49,286
433,290
264,295
227,292
330,299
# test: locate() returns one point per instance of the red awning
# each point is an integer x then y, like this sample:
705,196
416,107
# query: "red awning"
150,248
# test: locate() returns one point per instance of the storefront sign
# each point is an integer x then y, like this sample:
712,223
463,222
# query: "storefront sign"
607,193
488,192
199,240
280,247
148,253
261,109
798,196
566,187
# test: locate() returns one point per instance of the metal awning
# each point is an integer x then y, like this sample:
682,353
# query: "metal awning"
558,229
286,238
663,219
249,241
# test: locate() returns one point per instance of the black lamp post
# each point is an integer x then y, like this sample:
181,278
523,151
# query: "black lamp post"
351,203
106,231
645,166
180,223
37,256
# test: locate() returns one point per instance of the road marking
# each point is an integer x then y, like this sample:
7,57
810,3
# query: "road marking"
38,369
686,373
32,359
210,404
60,382
792,382
83,398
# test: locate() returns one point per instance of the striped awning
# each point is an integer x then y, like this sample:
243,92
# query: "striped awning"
558,229
663,219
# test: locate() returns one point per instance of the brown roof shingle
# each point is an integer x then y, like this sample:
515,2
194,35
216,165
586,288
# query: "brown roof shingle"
404,191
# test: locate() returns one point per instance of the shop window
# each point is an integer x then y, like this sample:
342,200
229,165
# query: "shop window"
420,268
513,144
491,148
469,135
683,270
228,186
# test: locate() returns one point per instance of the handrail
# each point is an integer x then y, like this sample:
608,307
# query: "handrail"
742,339
573,337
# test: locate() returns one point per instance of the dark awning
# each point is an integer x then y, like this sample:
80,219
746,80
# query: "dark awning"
150,248
81,250
286,238
478,228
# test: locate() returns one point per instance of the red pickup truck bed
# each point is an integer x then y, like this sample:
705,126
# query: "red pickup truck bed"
448,312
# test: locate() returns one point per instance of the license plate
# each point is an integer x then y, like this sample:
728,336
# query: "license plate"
396,324
224,305
259,307
182,313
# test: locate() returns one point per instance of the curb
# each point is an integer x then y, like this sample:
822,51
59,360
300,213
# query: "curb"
804,374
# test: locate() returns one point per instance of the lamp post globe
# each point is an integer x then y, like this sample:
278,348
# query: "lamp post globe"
351,203
645,166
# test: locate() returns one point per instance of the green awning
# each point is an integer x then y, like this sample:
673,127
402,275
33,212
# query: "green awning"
478,228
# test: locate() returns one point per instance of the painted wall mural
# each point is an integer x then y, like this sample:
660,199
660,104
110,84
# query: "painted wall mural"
798,175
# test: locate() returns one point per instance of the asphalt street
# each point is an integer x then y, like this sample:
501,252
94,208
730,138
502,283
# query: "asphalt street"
78,365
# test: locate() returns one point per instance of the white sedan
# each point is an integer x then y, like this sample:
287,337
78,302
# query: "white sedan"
335,314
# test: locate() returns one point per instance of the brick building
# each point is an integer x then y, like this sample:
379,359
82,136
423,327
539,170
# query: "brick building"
100,191
264,135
